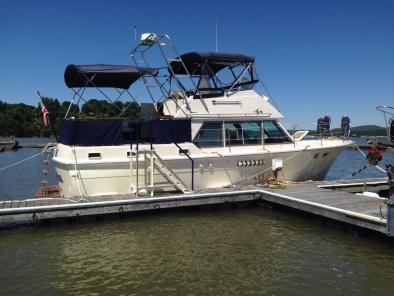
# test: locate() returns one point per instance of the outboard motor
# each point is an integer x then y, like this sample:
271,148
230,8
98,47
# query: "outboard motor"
345,125
392,130
323,124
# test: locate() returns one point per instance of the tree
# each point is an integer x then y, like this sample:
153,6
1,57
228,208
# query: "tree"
23,120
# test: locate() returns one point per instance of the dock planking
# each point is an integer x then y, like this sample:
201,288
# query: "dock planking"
316,198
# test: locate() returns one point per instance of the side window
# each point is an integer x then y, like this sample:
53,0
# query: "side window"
240,133
209,135
233,133
252,132
273,133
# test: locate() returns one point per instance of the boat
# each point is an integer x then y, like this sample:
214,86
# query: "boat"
206,127
8,143
388,141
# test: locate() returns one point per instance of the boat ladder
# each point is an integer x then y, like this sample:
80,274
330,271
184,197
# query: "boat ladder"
142,183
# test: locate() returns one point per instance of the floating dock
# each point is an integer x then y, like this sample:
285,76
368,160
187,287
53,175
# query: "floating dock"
329,200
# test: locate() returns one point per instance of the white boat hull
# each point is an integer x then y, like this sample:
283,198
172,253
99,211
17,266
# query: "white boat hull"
80,176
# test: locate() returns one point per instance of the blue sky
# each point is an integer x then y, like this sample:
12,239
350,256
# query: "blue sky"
316,57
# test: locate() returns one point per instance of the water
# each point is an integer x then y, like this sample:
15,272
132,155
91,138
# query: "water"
253,251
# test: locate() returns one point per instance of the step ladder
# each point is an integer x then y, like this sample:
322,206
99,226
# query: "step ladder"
152,162
169,174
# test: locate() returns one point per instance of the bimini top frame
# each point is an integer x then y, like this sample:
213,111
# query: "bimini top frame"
194,61
206,65
103,75
116,76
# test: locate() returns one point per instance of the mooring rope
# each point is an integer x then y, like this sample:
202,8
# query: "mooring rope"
19,162
45,149
78,174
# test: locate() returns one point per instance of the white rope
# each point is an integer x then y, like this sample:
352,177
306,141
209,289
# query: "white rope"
47,148
270,168
75,167
19,162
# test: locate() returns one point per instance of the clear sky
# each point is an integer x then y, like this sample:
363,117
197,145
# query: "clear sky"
316,57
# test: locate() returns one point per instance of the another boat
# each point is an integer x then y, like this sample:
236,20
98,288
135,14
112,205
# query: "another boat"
388,113
8,143
206,128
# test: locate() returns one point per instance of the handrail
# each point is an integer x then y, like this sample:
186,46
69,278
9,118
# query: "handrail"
181,149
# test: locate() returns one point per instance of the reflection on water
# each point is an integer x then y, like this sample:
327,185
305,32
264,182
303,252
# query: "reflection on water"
246,251
230,252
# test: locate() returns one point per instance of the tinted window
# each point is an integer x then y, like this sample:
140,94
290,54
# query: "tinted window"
273,133
239,133
233,132
210,135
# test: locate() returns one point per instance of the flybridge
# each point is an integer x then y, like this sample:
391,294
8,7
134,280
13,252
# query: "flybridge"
189,76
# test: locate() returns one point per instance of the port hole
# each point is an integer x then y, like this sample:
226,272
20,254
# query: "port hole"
183,151
94,155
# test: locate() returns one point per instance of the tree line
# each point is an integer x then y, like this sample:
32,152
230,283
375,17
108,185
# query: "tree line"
21,120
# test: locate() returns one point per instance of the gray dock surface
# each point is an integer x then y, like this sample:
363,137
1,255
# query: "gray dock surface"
316,198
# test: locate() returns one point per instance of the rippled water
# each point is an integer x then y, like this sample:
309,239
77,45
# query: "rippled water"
253,251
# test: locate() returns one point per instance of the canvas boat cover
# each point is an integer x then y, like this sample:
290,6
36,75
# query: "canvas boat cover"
101,75
92,132
113,132
216,61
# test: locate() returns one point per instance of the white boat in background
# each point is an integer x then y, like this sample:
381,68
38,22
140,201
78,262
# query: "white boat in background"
388,113
205,128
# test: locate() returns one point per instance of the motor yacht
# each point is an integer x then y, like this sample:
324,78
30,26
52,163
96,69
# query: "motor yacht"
205,127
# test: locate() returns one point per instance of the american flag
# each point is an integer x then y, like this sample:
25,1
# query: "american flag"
45,113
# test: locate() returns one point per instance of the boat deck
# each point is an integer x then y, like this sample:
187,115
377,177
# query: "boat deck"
315,198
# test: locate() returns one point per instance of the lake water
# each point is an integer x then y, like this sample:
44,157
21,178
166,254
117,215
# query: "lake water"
253,251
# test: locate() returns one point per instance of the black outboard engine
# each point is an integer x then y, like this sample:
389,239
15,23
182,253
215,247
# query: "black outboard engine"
345,125
323,124
392,130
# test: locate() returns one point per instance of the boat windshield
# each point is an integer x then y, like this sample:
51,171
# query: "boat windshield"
273,133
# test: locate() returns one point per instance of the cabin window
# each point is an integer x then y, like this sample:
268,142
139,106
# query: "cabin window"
243,133
209,135
273,133
94,155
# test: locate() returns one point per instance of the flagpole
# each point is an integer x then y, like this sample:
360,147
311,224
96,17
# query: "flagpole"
52,127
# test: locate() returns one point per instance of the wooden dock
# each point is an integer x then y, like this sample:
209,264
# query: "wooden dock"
321,199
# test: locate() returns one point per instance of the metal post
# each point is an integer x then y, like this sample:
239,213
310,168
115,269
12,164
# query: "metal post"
137,173
390,203
132,187
152,167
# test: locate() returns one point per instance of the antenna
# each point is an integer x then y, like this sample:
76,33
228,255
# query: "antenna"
135,33
216,35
